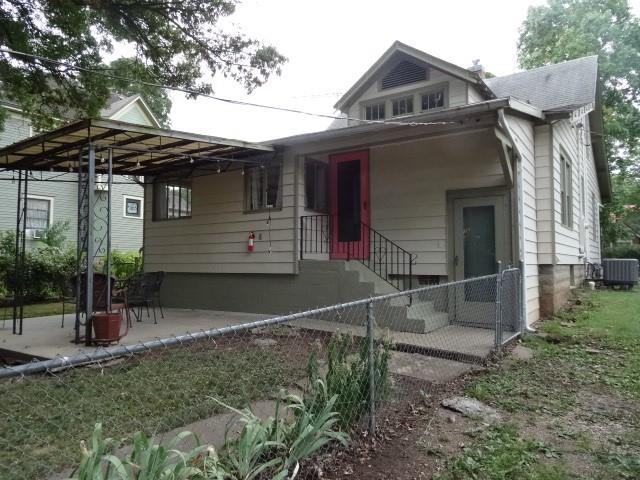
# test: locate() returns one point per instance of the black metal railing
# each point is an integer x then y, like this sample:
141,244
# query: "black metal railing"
387,259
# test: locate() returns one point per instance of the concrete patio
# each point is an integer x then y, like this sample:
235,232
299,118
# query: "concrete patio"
44,338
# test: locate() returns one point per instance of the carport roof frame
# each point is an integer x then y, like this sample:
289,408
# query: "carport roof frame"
136,149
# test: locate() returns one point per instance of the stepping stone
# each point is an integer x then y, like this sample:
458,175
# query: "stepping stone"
472,408
431,369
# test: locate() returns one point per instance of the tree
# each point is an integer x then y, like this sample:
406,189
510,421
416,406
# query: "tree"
567,29
176,43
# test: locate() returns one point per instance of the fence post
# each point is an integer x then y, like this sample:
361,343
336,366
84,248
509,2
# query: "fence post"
372,368
498,332
301,238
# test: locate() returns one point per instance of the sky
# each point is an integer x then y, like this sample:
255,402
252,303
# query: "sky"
330,44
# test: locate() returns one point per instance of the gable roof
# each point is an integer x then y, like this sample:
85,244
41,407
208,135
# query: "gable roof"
118,104
558,87
403,51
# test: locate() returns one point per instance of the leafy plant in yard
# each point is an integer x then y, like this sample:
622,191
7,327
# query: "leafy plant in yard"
126,264
348,377
147,460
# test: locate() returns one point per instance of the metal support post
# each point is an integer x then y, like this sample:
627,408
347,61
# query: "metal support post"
91,172
109,188
498,332
372,368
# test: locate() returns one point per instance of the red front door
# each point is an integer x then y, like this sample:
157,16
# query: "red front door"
349,205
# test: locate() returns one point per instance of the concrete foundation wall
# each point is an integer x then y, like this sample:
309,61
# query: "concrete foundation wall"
319,283
555,285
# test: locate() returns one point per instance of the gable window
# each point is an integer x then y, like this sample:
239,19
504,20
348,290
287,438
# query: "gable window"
402,105
402,74
316,179
566,193
375,111
38,213
262,187
171,200
431,100
131,206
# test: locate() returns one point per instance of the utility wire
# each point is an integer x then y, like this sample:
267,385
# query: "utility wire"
213,97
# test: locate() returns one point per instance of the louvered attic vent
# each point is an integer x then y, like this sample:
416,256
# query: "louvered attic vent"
402,74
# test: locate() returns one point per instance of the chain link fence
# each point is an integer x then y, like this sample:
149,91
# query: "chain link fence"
273,398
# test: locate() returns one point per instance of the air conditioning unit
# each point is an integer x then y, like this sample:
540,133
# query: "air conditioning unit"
36,234
620,271
101,182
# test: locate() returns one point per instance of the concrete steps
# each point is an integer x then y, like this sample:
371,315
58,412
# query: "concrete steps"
355,281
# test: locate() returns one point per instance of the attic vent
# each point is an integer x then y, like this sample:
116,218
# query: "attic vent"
402,74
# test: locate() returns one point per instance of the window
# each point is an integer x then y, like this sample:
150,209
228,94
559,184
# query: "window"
171,200
566,193
132,206
316,176
402,74
262,187
402,105
38,213
431,100
374,111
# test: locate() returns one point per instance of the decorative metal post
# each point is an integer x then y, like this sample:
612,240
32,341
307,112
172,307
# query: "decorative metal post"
372,368
109,188
91,174
20,252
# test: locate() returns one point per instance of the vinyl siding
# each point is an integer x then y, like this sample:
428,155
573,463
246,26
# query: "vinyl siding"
134,114
523,135
474,95
214,239
544,195
409,183
567,239
592,241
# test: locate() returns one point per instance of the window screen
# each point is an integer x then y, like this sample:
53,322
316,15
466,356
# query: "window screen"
171,200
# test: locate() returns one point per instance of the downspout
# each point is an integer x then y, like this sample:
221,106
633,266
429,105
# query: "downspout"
519,201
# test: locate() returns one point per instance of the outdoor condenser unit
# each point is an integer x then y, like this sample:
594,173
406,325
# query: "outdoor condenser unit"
620,271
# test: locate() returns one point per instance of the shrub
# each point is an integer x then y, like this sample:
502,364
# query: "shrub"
126,264
622,251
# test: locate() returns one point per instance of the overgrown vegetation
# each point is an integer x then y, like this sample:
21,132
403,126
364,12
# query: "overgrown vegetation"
348,376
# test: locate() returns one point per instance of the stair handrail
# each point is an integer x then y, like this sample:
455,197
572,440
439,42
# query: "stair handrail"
391,262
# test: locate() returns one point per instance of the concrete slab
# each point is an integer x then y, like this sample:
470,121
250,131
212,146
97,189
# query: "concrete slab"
44,338
431,369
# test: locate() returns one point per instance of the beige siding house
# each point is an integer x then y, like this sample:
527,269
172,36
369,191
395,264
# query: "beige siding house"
434,174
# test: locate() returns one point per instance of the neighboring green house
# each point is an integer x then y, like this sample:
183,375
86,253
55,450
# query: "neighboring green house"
53,197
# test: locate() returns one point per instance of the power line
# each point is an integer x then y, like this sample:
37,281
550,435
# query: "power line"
213,97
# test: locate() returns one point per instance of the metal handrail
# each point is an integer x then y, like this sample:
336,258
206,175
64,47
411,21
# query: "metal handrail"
382,256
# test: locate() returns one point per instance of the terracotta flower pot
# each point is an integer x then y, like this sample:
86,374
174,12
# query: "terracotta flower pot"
106,327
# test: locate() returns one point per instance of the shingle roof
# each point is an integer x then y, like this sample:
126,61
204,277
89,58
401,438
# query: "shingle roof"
562,86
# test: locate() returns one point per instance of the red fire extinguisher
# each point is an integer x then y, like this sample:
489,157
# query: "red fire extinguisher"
252,237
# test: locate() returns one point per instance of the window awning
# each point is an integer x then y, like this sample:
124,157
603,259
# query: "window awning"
135,149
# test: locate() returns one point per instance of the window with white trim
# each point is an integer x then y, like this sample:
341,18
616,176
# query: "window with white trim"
263,187
431,100
374,111
316,179
171,199
38,213
566,192
132,206
402,106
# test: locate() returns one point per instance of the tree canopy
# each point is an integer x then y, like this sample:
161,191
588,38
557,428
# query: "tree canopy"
567,29
176,43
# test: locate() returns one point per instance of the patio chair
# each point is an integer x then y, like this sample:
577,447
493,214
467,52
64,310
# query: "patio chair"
143,290
67,294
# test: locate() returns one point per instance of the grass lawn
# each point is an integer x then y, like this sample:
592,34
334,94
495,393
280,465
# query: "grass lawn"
38,310
45,417
573,411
